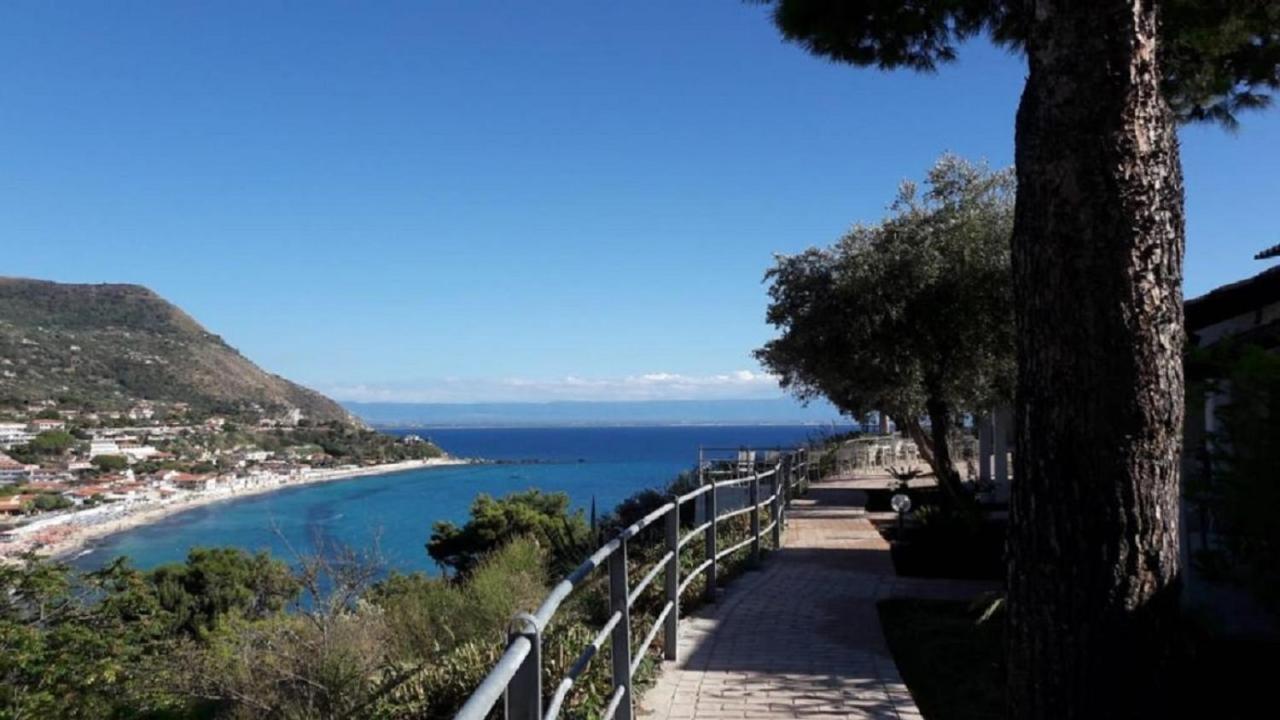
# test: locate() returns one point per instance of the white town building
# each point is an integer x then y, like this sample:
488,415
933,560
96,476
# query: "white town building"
12,434
102,446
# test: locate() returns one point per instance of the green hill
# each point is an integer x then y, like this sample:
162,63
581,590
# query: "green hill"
110,346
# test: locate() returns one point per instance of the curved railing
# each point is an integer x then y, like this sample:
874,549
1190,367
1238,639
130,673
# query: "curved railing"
517,677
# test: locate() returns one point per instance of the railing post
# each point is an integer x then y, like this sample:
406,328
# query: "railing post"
755,517
620,648
778,481
670,631
712,516
523,697
786,487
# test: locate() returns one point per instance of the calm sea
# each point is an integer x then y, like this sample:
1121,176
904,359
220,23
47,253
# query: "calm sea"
397,511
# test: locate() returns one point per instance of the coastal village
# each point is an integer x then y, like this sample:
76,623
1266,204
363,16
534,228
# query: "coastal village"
70,475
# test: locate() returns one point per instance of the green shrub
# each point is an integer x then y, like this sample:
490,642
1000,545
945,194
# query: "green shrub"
110,463
52,442
429,616
215,583
291,665
545,517
48,501
437,689
223,635
1241,490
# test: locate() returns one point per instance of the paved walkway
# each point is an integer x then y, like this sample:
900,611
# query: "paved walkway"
801,637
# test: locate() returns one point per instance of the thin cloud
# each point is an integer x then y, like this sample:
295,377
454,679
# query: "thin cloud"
659,385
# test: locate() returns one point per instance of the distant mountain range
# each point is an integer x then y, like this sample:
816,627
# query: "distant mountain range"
779,411
111,346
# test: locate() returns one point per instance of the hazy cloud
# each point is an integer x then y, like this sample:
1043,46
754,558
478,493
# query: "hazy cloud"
647,386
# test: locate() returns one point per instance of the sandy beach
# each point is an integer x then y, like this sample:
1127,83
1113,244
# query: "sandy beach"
65,535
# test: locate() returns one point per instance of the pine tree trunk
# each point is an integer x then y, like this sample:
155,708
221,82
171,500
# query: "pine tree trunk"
1097,257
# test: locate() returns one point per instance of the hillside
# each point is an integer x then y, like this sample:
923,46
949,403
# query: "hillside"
109,346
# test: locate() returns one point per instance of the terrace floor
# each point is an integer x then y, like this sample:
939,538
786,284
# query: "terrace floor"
801,637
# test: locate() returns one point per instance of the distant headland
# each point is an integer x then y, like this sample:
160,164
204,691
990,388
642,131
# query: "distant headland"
767,411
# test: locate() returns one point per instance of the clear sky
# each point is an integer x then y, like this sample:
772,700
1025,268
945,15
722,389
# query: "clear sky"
493,201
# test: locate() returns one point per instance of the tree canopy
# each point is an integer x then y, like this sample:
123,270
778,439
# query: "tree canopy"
1218,56
215,583
1237,483
910,316
52,442
110,463
544,517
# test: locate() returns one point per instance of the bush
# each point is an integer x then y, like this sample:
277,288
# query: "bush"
46,502
951,660
1242,492
430,616
72,646
445,636
219,583
298,665
52,442
110,463
952,545
544,517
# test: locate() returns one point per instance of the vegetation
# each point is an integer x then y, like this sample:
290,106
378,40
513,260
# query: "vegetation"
1220,58
544,517
212,638
109,346
48,445
952,657
230,635
344,442
911,316
110,463
952,662
101,645
45,502
1239,488
939,543
52,442
1097,252
215,585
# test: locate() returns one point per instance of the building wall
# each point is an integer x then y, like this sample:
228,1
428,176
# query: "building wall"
1240,323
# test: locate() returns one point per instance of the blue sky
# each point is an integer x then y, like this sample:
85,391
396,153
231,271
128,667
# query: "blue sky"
466,201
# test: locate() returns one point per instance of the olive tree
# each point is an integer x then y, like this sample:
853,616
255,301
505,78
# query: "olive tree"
910,316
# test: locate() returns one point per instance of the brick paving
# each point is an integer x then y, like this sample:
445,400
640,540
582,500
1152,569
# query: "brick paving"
801,637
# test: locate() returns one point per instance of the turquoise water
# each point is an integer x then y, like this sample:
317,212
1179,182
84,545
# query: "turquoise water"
396,511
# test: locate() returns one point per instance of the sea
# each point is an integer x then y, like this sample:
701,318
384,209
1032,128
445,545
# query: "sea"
392,515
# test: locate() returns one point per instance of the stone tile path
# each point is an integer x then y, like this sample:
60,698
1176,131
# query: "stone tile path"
801,637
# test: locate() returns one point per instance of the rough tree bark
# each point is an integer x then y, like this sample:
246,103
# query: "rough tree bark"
1097,258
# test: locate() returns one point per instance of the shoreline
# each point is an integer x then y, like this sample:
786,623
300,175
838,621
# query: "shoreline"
74,535
607,425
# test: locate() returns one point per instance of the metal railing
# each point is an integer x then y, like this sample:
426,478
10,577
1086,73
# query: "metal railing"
866,455
516,678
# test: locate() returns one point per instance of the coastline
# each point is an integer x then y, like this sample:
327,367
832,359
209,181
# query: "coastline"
67,535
